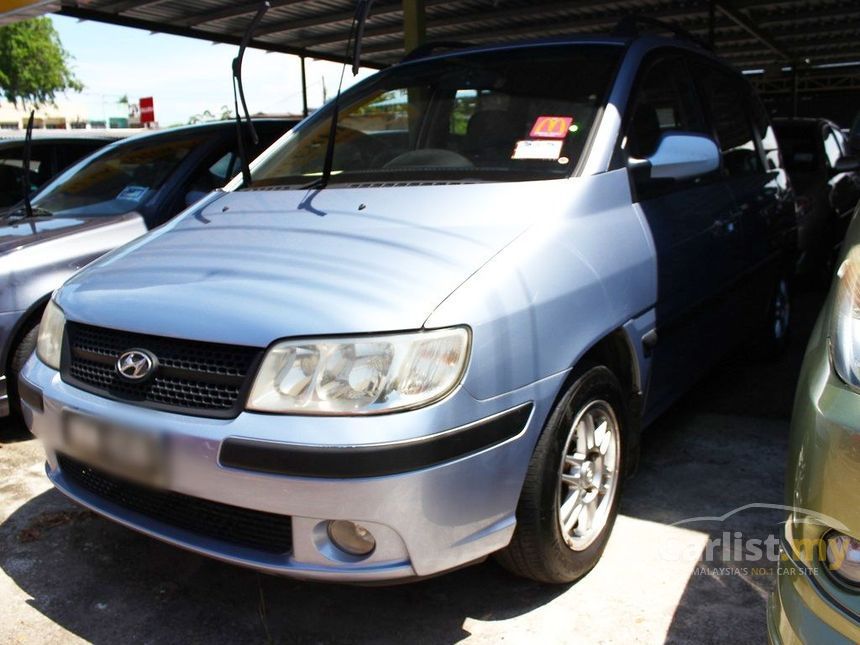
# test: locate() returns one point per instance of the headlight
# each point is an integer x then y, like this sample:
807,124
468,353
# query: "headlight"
361,375
49,344
845,330
843,556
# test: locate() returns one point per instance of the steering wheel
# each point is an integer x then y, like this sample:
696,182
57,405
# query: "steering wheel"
356,149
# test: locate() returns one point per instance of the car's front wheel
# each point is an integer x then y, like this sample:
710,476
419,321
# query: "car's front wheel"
570,497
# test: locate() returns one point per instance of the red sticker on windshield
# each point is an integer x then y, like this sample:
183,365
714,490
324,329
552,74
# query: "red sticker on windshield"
551,127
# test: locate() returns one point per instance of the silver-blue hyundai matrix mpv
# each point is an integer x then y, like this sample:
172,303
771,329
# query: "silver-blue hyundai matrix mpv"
442,346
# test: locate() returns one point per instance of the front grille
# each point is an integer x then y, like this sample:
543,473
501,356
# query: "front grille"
203,379
231,524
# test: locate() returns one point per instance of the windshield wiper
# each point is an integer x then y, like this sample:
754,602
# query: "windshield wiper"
239,94
356,34
34,211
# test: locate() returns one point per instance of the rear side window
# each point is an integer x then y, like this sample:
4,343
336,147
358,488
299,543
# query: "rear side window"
665,101
832,150
730,112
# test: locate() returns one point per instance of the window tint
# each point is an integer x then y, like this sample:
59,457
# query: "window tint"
728,105
68,152
832,151
522,114
118,180
665,100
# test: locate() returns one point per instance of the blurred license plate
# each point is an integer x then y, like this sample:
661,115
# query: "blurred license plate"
133,453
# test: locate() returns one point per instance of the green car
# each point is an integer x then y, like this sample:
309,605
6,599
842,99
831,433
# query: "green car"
817,597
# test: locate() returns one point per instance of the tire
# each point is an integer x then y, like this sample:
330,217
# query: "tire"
540,549
775,333
20,353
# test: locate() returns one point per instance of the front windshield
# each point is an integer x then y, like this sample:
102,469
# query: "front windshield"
494,116
117,180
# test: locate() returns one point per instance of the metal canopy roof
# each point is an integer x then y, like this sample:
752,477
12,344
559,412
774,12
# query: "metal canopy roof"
749,33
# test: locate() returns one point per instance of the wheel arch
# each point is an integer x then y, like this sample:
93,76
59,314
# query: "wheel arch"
616,351
35,311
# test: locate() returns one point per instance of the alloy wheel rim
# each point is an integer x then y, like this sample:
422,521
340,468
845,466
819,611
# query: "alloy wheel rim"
781,310
588,477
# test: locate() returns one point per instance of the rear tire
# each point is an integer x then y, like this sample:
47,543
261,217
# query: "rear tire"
569,500
775,333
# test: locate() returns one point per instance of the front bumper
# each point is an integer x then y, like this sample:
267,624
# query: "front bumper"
800,611
808,606
426,519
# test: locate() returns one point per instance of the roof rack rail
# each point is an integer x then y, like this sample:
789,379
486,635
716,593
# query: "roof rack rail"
629,27
422,51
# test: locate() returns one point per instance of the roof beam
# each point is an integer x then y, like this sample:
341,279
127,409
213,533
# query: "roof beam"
234,10
338,16
458,20
210,36
755,62
803,33
754,30
832,43
127,5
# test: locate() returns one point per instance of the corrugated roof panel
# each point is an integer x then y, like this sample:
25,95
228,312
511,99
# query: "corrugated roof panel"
821,29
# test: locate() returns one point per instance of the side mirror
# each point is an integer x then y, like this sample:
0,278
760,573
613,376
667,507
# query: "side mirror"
680,155
847,163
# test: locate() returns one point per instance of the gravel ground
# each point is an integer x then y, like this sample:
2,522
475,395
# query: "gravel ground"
67,575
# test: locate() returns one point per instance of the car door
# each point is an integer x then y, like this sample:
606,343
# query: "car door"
758,189
692,228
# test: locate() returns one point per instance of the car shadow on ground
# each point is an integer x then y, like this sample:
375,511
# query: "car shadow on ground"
722,447
736,456
106,583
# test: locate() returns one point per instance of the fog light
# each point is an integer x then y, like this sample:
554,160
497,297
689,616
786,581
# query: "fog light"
351,537
843,556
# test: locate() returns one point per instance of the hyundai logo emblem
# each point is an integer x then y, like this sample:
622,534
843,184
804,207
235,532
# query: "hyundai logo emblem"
136,364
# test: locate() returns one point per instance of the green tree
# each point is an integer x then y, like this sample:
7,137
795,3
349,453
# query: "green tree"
34,67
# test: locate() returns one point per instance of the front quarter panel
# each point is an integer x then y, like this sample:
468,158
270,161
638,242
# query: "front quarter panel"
34,271
30,274
549,296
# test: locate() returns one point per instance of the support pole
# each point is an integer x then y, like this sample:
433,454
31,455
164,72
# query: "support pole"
304,88
414,24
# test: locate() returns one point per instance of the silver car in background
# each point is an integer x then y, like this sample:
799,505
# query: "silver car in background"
100,203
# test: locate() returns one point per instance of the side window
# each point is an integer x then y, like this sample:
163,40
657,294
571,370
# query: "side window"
665,100
41,165
214,171
832,151
465,106
224,169
730,114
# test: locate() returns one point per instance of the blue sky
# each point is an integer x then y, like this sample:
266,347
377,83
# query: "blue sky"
185,76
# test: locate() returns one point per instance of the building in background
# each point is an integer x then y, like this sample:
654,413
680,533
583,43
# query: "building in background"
74,115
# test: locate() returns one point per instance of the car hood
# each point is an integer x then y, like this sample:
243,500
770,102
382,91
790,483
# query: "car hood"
255,266
20,233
